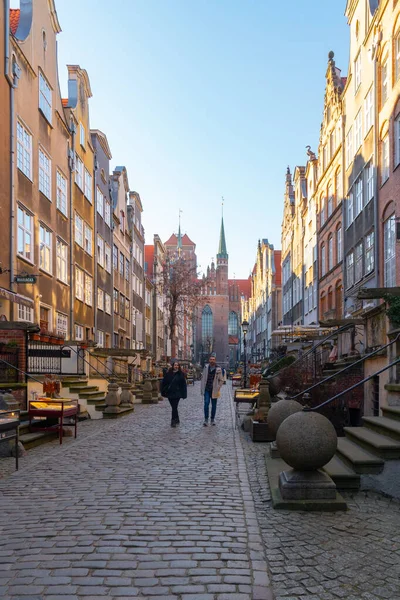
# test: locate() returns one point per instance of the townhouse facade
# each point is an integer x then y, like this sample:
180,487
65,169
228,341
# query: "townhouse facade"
135,210
310,249
287,237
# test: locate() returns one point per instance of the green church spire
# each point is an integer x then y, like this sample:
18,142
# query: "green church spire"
222,251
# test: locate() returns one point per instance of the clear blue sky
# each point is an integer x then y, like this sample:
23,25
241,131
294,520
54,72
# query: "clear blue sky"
207,98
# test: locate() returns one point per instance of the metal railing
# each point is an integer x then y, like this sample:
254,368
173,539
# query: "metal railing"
347,368
81,357
20,371
9,374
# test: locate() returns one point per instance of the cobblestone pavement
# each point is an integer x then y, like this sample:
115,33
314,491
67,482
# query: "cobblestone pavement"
319,556
134,508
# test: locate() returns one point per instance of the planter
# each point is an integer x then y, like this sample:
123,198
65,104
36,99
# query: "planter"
34,337
45,338
259,432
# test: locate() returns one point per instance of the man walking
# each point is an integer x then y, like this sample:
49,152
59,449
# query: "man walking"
211,382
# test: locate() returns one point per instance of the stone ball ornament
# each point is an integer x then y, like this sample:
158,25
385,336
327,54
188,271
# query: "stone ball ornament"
306,441
281,411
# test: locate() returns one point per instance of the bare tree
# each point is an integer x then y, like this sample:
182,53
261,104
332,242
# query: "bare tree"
181,289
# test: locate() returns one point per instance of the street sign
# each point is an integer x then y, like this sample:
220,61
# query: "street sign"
25,279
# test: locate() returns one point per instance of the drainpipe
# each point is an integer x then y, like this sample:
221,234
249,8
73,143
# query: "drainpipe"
376,160
71,164
96,168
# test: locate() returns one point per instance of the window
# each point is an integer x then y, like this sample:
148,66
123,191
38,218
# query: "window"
127,269
322,213
127,309
78,230
324,158
107,254
61,324
330,253
25,234
121,264
62,193
349,148
100,251
100,202
330,200
88,290
62,261
88,239
116,301
122,220
350,211
338,186
357,72
25,313
397,55
45,318
369,110
44,248
369,253
397,140
350,269
107,212
88,186
115,257
389,249
233,324
82,135
358,269
79,277
100,299
207,328
79,172
323,260
44,174
44,97
100,338
369,176
385,159
107,303
24,150
122,305
358,131
384,81
339,253
358,187
78,332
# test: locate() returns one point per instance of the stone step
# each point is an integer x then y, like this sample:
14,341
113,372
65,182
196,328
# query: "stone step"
343,475
73,381
384,425
37,438
392,412
95,401
83,388
91,395
357,458
376,443
100,407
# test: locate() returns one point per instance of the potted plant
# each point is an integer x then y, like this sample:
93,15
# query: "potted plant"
34,337
44,335
11,347
259,431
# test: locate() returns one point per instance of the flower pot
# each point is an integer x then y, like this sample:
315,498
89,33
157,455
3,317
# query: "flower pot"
34,337
259,432
44,338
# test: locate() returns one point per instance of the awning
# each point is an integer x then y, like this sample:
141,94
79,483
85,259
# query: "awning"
15,297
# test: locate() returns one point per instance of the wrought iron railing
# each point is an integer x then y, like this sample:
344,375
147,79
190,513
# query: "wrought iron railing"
8,364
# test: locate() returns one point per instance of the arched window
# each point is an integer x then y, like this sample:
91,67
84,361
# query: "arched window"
323,304
323,260
206,324
330,252
330,298
233,324
339,299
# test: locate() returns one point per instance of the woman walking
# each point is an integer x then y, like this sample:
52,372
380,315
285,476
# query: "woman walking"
174,388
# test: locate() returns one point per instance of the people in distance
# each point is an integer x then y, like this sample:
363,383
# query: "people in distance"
174,388
211,383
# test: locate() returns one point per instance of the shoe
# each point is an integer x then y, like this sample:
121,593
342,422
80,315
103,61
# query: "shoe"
173,424
212,422
205,423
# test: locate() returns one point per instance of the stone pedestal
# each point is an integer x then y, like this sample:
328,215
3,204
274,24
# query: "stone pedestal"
273,450
126,395
113,399
264,399
148,393
306,485
155,390
138,391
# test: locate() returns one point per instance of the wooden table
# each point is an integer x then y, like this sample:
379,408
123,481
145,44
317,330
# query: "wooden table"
244,396
55,408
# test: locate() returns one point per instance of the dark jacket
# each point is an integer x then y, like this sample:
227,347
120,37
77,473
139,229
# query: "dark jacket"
174,386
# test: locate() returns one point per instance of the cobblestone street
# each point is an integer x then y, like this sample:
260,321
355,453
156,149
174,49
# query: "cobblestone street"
134,508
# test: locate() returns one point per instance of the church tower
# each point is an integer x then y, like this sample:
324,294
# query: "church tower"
222,264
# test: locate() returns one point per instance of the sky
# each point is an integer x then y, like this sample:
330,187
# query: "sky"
204,99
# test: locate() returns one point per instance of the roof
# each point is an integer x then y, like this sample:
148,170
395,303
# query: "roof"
64,102
149,259
222,251
173,241
244,286
14,19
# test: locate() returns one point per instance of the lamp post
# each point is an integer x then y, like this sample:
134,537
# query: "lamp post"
245,328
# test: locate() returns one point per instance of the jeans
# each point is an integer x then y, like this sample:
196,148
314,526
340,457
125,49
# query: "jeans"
207,398
174,405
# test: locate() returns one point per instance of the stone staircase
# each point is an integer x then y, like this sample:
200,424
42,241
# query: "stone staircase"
91,398
369,456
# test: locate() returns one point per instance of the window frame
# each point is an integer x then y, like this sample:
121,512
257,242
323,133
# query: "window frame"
61,194
79,284
88,185
79,230
21,227
369,253
350,268
44,177
88,290
24,150
88,241
45,249
45,102
389,243
60,260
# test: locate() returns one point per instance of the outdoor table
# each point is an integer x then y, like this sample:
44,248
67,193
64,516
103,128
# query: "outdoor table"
55,408
236,380
244,396
9,423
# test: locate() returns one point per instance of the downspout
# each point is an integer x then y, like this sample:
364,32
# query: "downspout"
96,168
376,160
71,164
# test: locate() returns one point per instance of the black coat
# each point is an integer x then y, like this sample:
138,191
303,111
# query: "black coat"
174,386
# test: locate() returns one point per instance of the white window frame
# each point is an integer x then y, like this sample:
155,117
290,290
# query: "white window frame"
100,299
339,248
61,193
350,209
358,137
107,212
397,55
369,252
100,251
349,148
62,260
44,173
82,135
384,81
25,313
88,186
385,159
61,324
396,131
100,202
79,172
88,290
79,331
79,284
369,110
323,212
357,72
88,241
24,150
389,251
358,193
330,200
370,183
26,232
107,257
45,248
100,338
107,303
330,252
358,262
350,270
79,230
45,97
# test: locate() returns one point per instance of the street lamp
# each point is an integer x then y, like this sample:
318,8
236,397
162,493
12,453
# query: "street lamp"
245,328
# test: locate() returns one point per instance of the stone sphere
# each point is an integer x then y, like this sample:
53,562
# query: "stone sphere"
281,411
306,441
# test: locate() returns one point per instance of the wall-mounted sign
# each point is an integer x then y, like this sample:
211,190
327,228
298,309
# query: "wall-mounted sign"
25,278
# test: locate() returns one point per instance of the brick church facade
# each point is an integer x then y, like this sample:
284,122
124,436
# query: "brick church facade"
217,321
